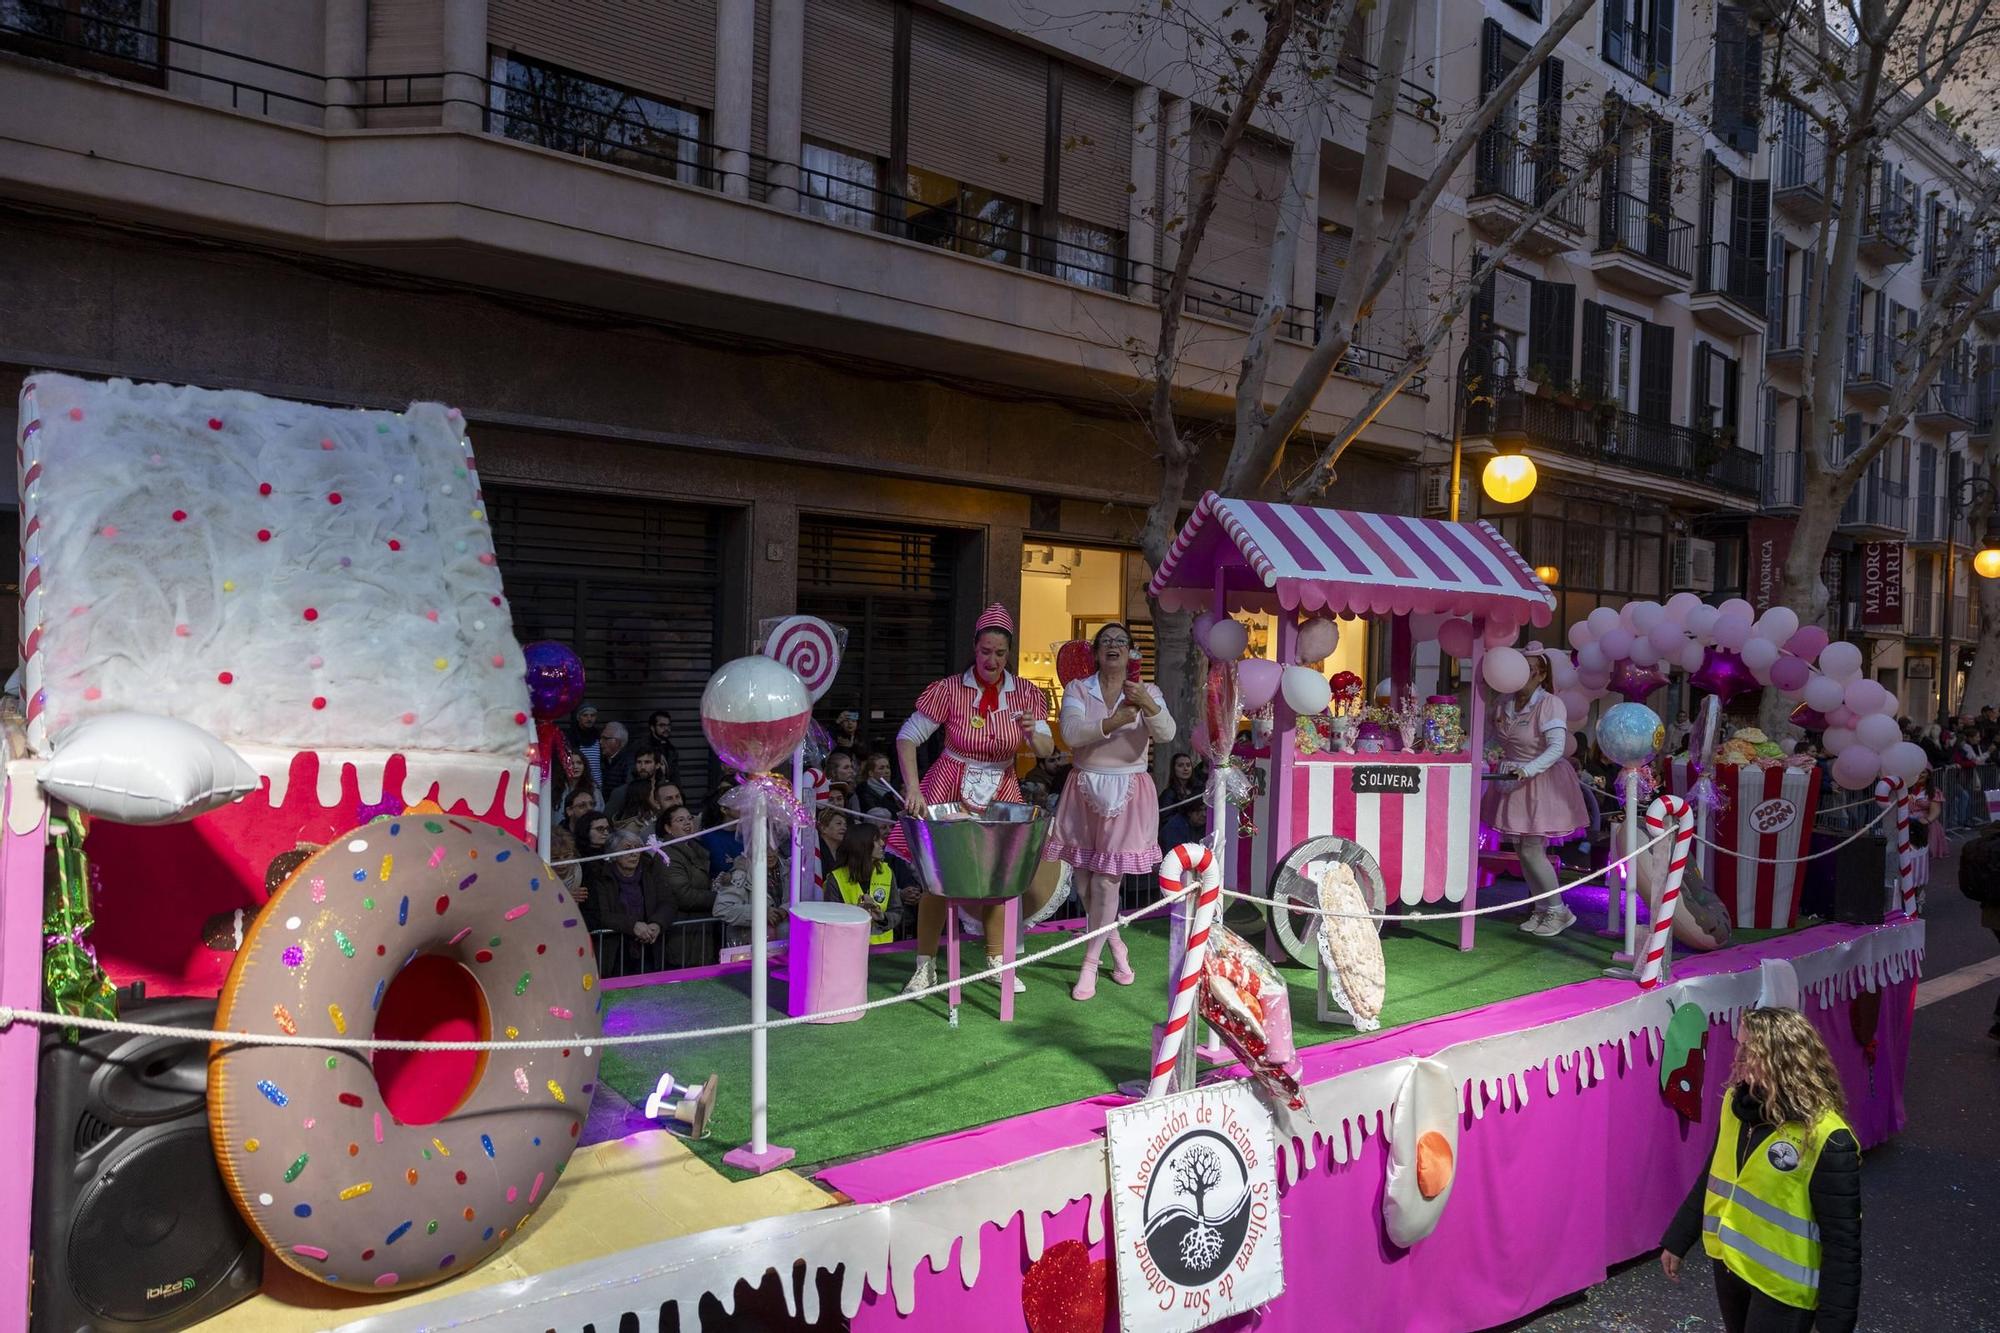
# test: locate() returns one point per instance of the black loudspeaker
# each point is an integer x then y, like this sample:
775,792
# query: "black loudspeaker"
133,1227
1860,888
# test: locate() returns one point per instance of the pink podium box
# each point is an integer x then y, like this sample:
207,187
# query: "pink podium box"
828,960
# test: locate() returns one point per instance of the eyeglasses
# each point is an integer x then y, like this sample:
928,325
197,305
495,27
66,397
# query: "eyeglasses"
1114,642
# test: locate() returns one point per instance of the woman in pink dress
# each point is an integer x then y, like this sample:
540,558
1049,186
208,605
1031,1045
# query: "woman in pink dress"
1531,728
1108,823
988,716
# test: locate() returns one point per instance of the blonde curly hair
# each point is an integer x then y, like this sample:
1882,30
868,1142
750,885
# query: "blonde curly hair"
1783,1063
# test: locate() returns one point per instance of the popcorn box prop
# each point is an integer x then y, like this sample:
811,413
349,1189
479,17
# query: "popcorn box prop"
1766,813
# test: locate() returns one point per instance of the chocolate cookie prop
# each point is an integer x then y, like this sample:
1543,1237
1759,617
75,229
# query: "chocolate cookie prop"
400,1170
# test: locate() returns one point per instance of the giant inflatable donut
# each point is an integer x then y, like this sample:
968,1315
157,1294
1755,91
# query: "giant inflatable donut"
403,1170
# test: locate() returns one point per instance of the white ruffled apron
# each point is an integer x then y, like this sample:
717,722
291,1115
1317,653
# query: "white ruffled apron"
1105,790
981,780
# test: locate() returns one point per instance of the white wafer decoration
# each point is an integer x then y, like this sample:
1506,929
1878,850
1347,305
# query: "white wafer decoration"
1188,860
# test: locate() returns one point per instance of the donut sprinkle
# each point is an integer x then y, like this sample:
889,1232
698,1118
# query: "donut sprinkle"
515,913
286,1024
555,1091
340,1019
298,1165
318,889
557,1011
356,1191
439,1145
272,1092
521,986
310,1252
486,1142
521,1080
378,1127
437,857
403,911
396,1235
536,1188
387,863
346,945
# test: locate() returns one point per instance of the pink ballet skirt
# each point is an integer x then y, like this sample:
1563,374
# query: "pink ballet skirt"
1126,842
1548,805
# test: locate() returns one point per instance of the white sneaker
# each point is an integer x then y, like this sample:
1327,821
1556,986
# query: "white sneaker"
1560,918
924,978
1020,986
1536,918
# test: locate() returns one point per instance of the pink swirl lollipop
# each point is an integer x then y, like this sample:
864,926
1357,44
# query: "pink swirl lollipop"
810,647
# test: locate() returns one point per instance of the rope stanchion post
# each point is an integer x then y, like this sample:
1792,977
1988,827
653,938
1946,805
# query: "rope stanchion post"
1173,1062
1652,969
758,1155
1623,889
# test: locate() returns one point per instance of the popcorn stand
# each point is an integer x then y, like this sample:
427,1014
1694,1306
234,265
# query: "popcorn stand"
1407,791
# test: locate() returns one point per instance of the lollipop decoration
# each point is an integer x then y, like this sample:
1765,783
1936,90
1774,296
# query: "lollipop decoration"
810,647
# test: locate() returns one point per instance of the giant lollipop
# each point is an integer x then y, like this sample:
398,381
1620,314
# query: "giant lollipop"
754,713
810,647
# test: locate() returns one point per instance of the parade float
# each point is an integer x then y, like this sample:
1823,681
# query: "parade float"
355,836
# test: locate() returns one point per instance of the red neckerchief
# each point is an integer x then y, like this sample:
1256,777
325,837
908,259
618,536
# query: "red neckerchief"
989,695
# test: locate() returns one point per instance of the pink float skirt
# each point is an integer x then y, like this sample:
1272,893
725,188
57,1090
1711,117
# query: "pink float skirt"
1548,805
1125,842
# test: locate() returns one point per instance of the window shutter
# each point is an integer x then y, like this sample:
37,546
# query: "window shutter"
1731,388
850,72
1235,252
667,51
406,37
1726,96
1706,234
1490,73
1614,32
1096,162
1660,185
1479,363
1656,373
1552,329
1750,230
1548,126
1613,131
1595,331
1663,45
1752,82
1698,404
1335,242
978,106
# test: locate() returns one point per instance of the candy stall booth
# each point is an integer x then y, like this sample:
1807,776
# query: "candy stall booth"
1413,806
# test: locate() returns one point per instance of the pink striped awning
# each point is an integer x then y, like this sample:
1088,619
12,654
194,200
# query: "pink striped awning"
1346,562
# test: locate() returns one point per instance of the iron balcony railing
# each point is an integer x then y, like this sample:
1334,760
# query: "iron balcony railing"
1783,479
1893,226
1635,226
1785,334
1876,503
1869,362
1986,397
1948,398
1925,523
1612,435
1736,274
1529,173
1801,161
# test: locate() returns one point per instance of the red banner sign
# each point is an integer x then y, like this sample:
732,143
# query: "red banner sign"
1770,544
1881,583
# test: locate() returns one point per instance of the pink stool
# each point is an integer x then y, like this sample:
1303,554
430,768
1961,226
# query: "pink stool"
828,967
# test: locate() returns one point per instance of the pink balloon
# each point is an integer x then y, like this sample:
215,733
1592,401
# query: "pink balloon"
1863,696
1878,732
1594,679
1569,744
1646,616
1842,717
1505,670
1455,637
1701,622
1790,675
1856,767
1680,604
1836,739
1616,643
1501,634
1576,705
1737,606
1643,653
1692,655
1591,657
1257,682
1603,620
1580,634
1807,642
1667,638
1840,660
1732,632
1760,654
1904,759
1203,623
1890,704
1824,693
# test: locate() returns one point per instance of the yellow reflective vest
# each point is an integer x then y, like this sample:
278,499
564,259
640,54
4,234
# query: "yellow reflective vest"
876,896
1758,1222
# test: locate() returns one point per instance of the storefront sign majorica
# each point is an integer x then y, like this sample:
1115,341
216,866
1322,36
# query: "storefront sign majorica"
1194,1209
1770,544
1881,583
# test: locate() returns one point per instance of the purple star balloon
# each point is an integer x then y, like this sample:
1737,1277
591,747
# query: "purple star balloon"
1723,674
1635,682
555,679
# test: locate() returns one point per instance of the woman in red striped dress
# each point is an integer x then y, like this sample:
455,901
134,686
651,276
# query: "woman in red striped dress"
988,717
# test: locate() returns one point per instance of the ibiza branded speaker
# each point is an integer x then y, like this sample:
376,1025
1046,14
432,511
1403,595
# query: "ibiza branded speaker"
133,1228
1860,881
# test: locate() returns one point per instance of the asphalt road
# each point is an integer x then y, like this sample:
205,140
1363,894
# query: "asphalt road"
1931,1196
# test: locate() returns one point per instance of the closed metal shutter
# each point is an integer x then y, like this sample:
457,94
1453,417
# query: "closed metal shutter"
760,81
633,586
978,107
406,37
1096,150
664,49
1237,249
891,588
850,73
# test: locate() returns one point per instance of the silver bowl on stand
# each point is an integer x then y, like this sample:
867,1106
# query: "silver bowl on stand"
985,856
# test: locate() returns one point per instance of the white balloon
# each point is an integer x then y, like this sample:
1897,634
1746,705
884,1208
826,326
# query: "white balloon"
1306,690
1645,615
1740,607
1905,760
1759,654
1823,693
1701,622
1840,660
1561,673
1591,657
1505,670
1890,704
1680,604
1837,740
1317,640
1228,640
1878,732
1580,634
1692,655
1603,620
1778,624
1643,653
1863,695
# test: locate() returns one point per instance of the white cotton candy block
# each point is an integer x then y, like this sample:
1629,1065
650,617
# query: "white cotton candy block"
186,555
135,768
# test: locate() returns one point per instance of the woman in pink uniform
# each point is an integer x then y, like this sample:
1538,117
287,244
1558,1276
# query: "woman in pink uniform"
988,717
1531,728
1108,823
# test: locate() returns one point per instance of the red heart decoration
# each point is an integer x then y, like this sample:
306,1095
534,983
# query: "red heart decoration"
1075,660
1065,1292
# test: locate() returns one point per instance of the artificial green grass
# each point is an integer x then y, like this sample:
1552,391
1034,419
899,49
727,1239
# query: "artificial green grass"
900,1073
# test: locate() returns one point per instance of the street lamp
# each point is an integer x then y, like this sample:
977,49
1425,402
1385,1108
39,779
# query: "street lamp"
1960,496
1509,476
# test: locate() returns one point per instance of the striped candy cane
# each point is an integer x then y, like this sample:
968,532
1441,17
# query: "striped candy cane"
1189,860
1666,808
1895,789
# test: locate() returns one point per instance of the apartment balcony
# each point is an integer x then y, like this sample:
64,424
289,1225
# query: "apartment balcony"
1947,405
1985,401
1798,185
1938,262
601,212
1610,436
1926,520
1871,371
1876,507
1924,619
1783,482
1510,181
1785,335
1889,235
1640,249
1986,316
1729,290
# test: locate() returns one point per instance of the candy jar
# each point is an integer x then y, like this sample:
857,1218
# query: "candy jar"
1370,737
1444,725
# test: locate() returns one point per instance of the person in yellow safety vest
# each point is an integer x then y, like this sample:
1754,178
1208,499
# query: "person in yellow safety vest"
1778,1210
863,879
